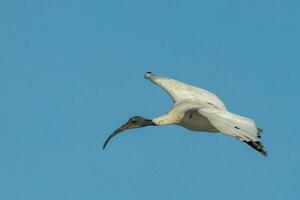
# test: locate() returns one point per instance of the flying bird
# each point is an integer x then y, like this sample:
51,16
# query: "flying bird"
198,110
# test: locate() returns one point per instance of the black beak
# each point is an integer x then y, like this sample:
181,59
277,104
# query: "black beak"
126,126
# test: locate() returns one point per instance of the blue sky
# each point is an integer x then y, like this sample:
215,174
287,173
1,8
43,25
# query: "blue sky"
72,71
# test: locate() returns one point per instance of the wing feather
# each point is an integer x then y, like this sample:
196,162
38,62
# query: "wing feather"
237,126
180,92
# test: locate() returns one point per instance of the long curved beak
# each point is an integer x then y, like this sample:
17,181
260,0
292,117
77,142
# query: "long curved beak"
124,127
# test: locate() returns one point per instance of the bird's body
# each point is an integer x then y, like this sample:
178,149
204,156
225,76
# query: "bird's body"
185,114
196,122
199,110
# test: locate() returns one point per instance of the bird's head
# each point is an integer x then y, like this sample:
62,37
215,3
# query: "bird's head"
133,122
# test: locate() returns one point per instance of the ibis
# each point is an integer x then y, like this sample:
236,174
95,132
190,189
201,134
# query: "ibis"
199,110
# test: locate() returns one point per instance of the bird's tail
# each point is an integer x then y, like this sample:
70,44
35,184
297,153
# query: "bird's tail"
258,147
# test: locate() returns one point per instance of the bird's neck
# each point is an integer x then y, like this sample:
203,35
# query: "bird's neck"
169,118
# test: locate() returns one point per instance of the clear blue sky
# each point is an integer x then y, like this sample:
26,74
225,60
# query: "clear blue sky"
72,71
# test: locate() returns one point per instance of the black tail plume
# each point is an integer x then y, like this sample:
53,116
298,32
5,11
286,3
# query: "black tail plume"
258,147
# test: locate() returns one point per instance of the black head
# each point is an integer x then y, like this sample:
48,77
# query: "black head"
138,122
133,122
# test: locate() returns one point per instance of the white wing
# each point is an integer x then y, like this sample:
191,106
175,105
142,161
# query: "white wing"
234,125
180,92
237,126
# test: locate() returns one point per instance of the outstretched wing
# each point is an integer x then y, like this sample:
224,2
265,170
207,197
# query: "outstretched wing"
237,126
180,92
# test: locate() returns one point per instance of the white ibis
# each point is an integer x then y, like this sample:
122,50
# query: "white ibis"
198,110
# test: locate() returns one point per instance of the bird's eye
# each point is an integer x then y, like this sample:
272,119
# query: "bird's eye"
133,121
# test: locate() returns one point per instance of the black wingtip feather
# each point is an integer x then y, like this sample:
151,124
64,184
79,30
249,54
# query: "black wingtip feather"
258,147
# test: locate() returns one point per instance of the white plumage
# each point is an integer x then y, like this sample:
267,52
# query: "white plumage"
198,110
